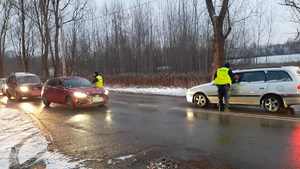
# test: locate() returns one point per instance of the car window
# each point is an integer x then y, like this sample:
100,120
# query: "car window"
256,76
11,79
28,79
55,83
78,82
278,76
51,82
237,77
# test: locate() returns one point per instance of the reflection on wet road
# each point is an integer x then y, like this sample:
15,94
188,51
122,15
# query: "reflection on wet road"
152,127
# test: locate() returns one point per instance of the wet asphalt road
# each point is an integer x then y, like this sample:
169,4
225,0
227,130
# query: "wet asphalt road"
149,128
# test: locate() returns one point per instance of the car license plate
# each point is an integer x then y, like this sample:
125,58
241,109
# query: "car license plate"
97,99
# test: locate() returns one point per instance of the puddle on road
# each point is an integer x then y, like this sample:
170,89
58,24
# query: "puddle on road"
237,136
31,108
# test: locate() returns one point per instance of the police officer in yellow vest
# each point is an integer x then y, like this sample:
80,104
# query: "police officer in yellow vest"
223,80
98,80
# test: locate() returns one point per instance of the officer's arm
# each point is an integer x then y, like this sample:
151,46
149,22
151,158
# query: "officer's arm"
215,76
231,75
95,80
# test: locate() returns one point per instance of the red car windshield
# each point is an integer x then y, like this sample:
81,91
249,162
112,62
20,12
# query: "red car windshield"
74,83
28,79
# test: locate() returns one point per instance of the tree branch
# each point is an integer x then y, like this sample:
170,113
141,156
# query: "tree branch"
224,9
211,10
229,25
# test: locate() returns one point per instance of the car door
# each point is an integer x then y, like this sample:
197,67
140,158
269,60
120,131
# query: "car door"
49,89
279,82
249,89
12,84
58,91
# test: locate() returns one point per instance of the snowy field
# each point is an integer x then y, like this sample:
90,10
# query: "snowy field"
166,91
23,146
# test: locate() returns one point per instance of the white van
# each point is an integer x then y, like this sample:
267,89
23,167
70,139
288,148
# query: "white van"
271,88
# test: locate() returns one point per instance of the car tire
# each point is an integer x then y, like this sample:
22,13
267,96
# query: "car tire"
8,95
70,103
200,100
272,104
46,102
18,97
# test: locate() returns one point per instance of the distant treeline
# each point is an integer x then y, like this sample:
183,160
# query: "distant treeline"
173,37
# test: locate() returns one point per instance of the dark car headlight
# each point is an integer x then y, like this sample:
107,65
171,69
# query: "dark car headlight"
24,89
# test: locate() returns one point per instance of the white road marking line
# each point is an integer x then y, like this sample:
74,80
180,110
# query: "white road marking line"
244,115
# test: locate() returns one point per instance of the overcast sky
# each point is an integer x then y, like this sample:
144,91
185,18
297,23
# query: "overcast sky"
283,28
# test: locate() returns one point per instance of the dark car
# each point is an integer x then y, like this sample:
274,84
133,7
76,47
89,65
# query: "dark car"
3,86
74,92
21,85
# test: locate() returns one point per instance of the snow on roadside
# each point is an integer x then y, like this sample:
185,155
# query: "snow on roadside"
166,91
23,145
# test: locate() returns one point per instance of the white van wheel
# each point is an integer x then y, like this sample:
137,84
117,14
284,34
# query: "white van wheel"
200,100
272,104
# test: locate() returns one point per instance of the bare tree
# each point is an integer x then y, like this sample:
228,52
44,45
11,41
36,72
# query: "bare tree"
41,17
24,54
295,9
60,10
220,35
5,8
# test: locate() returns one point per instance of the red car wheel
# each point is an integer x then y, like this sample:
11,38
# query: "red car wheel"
71,103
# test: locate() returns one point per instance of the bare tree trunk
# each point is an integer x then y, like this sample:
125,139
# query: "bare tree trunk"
56,10
219,36
62,42
44,5
23,40
6,7
1,59
218,46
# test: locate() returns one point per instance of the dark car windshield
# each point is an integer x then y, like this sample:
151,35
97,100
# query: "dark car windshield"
28,79
79,82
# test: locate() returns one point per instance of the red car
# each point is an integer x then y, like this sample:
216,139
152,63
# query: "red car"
74,92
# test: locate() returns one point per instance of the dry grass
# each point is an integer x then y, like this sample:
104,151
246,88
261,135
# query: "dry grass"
166,79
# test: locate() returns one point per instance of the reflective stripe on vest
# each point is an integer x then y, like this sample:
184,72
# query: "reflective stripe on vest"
99,82
223,77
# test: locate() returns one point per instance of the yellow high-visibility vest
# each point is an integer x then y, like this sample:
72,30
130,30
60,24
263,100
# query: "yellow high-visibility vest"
223,77
99,83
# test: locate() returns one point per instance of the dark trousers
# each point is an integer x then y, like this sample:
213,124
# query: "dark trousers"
223,96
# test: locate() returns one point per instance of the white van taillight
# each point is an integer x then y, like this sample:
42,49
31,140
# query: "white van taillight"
298,87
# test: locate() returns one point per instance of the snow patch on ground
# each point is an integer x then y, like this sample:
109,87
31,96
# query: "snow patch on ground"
166,91
125,157
22,145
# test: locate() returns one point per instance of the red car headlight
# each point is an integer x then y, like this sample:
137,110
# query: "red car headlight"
80,95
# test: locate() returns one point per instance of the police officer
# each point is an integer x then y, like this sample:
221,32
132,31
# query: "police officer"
223,79
98,80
